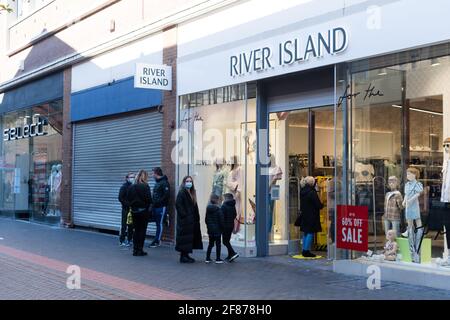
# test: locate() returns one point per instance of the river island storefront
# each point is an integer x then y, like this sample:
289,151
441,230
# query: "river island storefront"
369,120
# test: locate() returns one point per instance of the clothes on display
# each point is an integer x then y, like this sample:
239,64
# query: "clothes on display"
54,184
445,191
393,211
219,179
364,172
234,185
391,247
412,192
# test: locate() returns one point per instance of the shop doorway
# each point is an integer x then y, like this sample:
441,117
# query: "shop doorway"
302,144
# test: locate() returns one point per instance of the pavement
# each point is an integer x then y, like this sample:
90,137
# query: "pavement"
34,261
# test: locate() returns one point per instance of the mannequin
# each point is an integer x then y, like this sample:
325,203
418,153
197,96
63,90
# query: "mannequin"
234,184
57,188
413,189
390,248
219,179
275,174
51,183
393,207
445,197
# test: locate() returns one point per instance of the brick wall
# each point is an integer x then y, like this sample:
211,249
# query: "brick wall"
169,122
66,190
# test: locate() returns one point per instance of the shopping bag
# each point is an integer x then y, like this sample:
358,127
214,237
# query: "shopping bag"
129,217
237,226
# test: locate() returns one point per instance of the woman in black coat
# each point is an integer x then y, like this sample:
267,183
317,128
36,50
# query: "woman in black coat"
189,236
310,207
140,200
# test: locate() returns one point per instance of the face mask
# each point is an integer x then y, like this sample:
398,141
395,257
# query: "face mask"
188,185
131,180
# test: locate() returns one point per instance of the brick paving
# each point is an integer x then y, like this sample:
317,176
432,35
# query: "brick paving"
34,258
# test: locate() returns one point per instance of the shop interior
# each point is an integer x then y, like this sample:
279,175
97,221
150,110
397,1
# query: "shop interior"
302,145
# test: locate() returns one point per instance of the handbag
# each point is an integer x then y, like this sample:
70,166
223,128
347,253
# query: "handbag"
298,221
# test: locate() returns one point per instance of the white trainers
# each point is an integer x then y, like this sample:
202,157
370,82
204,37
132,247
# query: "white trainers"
236,255
219,261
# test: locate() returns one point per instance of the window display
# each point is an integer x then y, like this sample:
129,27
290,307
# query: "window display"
396,167
220,153
31,166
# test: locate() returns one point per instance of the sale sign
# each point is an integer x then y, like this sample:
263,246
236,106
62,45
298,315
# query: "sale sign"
352,228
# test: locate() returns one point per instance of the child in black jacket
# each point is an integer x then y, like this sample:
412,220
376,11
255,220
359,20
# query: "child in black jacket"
229,216
214,222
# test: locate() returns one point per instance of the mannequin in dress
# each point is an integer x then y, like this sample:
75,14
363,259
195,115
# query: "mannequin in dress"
413,190
445,197
234,185
393,207
219,179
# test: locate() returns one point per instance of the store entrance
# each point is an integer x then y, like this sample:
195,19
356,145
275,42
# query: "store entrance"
301,144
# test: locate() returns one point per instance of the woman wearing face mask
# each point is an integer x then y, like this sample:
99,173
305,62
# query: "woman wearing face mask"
189,236
127,229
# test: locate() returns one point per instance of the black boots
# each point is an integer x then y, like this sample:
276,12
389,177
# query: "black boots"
184,258
308,254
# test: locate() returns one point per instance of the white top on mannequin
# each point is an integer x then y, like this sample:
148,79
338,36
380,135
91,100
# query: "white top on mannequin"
58,178
445,193
51,179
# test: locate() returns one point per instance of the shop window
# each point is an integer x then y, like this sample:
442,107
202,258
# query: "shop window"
393,140
31,163
220,129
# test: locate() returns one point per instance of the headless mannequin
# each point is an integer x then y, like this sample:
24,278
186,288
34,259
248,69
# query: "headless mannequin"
52,195
413,190
234,184
57,188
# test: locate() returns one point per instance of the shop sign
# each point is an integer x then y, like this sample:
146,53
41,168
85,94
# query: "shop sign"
151,76
27,131
352,228
289,51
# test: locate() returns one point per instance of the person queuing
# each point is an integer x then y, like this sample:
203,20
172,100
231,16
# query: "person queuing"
214,222
188,233
161,195
126,230
140,201
310,207
229,217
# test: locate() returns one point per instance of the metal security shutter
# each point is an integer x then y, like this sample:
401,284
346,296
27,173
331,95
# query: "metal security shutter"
104,151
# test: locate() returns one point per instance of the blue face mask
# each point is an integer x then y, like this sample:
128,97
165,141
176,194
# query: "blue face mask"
188,185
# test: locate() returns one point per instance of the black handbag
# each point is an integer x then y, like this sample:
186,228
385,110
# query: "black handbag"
298,221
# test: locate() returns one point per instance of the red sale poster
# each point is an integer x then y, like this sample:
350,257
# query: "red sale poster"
352,228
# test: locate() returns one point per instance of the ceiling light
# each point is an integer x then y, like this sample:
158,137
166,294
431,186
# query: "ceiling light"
435,62
382,72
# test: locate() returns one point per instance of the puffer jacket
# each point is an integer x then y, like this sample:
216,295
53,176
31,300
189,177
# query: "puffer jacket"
229,214
214,220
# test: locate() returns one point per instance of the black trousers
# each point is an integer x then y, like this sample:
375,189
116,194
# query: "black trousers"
214,239
127,229
226,236
140,222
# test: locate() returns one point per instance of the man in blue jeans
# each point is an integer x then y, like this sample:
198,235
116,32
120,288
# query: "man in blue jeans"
161,195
